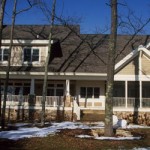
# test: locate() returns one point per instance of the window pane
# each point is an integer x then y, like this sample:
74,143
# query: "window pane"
59,92
0,54
35,55
89,92
50,92
83,92
5,55
17,90
50,85
27,54
96,92
59,85
26,90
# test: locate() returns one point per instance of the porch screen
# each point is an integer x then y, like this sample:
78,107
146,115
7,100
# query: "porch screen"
119,89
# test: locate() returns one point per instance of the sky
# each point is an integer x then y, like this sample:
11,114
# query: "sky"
94,14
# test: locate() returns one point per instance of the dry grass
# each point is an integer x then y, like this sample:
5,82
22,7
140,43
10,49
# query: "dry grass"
65,140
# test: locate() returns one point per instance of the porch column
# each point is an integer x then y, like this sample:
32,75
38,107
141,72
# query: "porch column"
67,94
31,99
140,75
67,87
32,87
126,93
140,94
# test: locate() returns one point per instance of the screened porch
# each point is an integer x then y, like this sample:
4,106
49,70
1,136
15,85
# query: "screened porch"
135,94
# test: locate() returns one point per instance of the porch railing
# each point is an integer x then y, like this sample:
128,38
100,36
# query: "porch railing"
24,99
146,102
51,100
131,102
119,102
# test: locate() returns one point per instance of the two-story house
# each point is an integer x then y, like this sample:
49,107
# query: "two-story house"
77,75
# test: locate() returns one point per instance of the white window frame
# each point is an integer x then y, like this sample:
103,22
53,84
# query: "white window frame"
3,61
31,62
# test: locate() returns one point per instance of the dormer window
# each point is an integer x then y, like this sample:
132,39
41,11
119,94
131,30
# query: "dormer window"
4,54
31,55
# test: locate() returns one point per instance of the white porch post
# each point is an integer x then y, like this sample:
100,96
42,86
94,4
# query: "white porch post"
67,87
140,75
126,93
32,87
67,96
140,94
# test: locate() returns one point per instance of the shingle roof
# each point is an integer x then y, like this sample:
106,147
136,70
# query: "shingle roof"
81,52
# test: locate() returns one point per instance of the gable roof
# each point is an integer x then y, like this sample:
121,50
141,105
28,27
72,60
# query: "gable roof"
33,32
131,56
81,52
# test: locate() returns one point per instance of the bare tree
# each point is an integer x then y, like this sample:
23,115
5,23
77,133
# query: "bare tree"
46,64
14,14
2,9
110,71
8,66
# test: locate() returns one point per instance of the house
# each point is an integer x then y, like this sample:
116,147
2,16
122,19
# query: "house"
76,74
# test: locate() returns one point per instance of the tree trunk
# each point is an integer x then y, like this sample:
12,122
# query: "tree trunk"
2,8
8,66
110,71
46,65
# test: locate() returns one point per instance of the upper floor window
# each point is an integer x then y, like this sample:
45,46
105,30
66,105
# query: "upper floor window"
31,54
4,54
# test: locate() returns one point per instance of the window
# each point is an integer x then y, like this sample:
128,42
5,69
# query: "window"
55,90
4,54
59,92
31,54
96,92
89,92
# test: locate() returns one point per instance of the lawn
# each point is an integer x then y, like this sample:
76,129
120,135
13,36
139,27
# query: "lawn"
66,140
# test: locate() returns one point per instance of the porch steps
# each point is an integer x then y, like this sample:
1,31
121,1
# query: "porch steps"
92,115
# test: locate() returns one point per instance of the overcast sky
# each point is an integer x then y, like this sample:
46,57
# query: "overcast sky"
94,14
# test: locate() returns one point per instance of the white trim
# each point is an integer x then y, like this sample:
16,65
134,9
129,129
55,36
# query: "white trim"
59,73
140,94
31,62
122,109
125,59
126,93
132,77
25,42
4,62
145,50
56,76
130,56
148,45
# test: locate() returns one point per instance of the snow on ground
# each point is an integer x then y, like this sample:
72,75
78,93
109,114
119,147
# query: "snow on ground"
27,132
